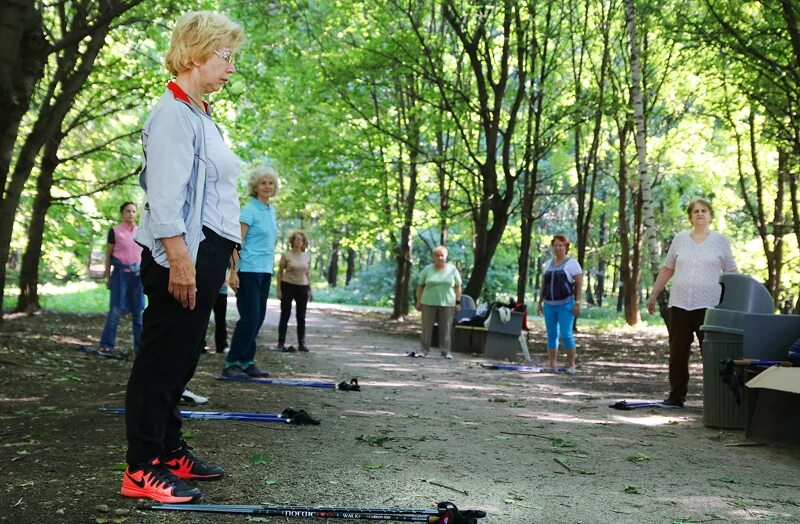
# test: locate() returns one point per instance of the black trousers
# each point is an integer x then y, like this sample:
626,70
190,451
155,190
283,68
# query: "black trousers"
683,326
220,327
171,340
299,294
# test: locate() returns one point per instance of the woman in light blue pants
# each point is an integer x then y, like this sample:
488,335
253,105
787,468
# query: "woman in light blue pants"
560,301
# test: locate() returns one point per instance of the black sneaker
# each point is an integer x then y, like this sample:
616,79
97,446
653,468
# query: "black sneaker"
184,465
303,348
253,372
234,372
152,480
670,403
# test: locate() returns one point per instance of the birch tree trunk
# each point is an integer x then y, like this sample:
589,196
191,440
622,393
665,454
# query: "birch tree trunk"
637,101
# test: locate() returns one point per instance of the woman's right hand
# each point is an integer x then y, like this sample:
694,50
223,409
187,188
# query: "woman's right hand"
651,305
539,309
279,293
418,306
233,281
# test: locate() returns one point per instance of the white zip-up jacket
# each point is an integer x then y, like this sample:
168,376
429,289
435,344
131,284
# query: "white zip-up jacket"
173,175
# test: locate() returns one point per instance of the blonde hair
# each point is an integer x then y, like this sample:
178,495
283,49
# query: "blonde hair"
302,234
259,173
197,35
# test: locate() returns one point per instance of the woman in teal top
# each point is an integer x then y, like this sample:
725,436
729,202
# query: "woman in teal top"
438,297
251,276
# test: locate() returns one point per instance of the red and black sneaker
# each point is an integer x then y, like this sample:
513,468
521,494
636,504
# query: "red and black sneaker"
152,481
184,465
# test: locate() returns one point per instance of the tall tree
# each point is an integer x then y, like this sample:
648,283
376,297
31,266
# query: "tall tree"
79,32
587,164
543,124
637,102
494,40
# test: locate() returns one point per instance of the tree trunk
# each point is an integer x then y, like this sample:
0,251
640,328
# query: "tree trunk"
588,168
497,65
534,148
637,101
588,285
29,275
351,265
21,66
333,267
73,64
599,292
402,277
486,241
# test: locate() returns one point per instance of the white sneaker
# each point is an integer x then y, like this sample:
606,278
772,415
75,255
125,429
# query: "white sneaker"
448,356
570,371
193,398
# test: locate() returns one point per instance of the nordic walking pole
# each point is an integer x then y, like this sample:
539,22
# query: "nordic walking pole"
283,382
219,415
430,516
270,512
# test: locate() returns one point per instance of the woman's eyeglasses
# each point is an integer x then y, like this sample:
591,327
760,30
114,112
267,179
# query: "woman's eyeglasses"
225,55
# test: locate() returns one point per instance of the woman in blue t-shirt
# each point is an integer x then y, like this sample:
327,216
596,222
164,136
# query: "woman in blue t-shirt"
560,301
251,275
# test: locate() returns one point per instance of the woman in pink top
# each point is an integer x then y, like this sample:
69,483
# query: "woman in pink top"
695,259
127,292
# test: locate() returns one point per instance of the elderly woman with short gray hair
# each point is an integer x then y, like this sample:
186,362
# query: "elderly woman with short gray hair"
251,274
438,298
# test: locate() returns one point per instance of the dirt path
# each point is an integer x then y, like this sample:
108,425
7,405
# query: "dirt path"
524,447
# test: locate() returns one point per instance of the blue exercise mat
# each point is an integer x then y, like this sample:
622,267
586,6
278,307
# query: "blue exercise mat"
513,367
282,382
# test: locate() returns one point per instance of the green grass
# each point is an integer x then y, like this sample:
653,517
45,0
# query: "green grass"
92,297
72,297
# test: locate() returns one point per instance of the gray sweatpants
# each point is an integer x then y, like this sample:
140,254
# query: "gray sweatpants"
441,315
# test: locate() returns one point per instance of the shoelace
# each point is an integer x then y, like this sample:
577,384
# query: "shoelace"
161,477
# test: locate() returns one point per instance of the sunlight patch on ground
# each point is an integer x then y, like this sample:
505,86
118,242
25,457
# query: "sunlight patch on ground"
577,394
20,399
465,387
563,417
388,384
370,413
717,508
651,420
606,364
384,367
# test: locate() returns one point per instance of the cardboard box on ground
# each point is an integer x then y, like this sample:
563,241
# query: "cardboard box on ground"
773,405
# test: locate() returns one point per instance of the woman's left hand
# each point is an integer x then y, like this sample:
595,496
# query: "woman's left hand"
182,283
576,309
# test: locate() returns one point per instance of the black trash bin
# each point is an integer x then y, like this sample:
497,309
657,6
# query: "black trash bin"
724,328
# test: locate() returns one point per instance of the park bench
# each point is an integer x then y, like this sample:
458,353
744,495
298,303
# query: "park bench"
499,341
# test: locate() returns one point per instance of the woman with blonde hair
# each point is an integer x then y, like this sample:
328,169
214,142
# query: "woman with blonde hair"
251,274
294,284
188,230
